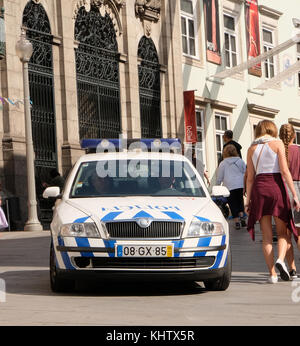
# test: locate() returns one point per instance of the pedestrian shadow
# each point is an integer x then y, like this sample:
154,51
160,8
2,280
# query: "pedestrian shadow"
261,279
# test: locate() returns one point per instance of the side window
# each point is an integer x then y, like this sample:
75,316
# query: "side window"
230,39
188,28
268,44
222,124
201,135
297,141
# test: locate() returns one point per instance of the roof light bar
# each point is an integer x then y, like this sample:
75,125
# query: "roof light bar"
254,61
95,145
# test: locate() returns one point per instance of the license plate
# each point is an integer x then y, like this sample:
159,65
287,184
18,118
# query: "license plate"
144,250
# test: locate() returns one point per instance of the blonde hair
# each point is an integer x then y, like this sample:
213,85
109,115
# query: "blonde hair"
286,134
266,127
230,151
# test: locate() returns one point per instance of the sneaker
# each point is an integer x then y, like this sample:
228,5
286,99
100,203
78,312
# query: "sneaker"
237,225
284,274
293,274
272,279
243,222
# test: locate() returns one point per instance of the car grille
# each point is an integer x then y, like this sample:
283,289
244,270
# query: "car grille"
146,263
157,229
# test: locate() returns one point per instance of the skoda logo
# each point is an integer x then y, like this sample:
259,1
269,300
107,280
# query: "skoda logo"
144,223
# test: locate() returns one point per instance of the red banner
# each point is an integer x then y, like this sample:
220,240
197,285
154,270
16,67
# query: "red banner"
190,117
213,47
253,37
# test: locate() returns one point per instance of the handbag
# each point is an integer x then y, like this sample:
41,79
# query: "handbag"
3,221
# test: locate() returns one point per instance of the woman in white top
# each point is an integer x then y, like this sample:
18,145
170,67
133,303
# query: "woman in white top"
267,195
231,173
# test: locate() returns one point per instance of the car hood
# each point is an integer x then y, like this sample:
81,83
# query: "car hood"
130,208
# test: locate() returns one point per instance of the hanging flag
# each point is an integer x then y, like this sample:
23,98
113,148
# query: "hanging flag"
253,36
190,117
211,14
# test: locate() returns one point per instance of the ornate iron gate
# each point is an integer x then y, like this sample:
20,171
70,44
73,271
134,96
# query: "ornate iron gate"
97,65
41,87
149,82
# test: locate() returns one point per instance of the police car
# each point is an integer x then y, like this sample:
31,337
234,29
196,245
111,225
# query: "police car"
137,213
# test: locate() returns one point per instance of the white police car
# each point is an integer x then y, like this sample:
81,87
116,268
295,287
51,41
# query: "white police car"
137,213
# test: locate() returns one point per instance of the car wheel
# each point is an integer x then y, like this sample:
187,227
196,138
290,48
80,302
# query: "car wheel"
221,283
57,282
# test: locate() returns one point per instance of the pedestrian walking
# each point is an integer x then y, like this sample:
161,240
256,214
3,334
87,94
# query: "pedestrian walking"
231,173
56,179
199,165
228,140
3,220
287,134
267,195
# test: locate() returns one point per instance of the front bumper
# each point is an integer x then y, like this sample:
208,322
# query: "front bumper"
194,259
120,275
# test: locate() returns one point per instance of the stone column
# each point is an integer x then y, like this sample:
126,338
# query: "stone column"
132,32
67,87
172,52
13,121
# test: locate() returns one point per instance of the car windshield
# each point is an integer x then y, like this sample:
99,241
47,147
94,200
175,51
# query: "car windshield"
136,178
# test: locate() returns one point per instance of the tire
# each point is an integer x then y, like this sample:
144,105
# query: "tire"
57,282
222,283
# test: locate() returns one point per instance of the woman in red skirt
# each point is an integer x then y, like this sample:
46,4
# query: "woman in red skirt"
267,195
292,152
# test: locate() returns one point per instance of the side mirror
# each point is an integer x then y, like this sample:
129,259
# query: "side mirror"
220,191
51,192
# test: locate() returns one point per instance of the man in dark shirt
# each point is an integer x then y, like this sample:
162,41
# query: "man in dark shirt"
56,180
227,137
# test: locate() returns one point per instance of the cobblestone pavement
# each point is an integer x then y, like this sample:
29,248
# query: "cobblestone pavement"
26,298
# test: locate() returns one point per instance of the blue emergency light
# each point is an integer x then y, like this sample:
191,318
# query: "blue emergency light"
93,145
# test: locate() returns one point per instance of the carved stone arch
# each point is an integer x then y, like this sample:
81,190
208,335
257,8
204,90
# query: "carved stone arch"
111,7
50,17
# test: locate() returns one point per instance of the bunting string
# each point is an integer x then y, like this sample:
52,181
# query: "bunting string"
14,102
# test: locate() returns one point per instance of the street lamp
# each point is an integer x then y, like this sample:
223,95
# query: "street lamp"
24,51
2,34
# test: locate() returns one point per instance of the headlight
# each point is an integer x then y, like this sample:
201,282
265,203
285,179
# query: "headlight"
201,229
88,230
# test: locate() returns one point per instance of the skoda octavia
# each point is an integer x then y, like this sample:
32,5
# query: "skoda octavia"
137,214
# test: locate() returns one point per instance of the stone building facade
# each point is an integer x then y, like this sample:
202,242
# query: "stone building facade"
221,35
100,68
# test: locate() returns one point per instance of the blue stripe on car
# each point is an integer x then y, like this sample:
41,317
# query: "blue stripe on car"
81,220
83,242
64,255
220,255
202,219
111,216
178,244
142,214
110,244
173,215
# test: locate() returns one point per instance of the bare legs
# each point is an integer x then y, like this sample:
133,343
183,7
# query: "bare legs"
266,227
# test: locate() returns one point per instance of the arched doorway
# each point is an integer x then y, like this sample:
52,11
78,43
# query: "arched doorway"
41,84
149,85
97,66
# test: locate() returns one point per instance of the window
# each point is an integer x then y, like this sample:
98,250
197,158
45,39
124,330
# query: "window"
200,152
298,58
297,140
221,127
188,27
230,41
268,43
